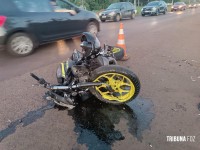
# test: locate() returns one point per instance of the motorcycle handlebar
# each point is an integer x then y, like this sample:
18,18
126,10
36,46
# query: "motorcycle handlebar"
40,80
35,77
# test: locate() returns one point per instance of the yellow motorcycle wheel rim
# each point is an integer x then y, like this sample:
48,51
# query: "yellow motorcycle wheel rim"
122,87
115,50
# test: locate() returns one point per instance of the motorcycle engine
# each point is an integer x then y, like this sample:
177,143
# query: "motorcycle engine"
80,72
101,61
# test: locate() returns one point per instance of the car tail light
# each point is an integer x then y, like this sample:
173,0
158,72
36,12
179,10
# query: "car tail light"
2,20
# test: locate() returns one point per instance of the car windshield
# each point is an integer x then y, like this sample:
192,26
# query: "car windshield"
178,3
33,6
114,6
153,4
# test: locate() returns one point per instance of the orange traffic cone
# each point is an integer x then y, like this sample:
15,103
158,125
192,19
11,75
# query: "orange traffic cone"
121,41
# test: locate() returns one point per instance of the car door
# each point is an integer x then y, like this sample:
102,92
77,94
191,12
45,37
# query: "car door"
161,6
129,9
123,10
52,25
35,17
68,18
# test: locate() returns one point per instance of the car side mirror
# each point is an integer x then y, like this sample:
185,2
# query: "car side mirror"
77,10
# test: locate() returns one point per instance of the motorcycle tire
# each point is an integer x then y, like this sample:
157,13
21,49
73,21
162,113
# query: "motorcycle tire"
118,52
121,84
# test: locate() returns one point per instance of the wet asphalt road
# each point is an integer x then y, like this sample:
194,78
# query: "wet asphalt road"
164,52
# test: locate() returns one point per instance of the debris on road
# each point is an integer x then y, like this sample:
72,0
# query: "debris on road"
9,121
194,61
174,109
192,79
150,145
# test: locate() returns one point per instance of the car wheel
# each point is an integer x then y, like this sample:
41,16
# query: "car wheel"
117,18
132,15
20,44
103,20
92,28
143,15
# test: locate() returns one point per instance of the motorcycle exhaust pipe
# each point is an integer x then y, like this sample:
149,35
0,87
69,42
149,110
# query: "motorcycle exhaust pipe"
86,84
79,85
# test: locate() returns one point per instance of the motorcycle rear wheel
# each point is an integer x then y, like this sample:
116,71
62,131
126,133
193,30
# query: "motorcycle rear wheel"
124,85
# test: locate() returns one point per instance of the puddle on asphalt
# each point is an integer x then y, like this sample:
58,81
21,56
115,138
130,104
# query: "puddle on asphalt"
96,122
31,117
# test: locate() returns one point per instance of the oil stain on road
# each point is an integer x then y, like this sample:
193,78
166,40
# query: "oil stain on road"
97,124
31,117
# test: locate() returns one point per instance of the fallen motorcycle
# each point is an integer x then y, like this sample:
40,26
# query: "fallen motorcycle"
94,71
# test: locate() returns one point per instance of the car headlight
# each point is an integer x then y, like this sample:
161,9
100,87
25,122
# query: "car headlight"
154,8
172,6
142,9
100,13
112,13
179,6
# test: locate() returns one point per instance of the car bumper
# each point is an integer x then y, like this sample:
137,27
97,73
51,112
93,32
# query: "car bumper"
2,43
174,9
148,12
107,17
2,36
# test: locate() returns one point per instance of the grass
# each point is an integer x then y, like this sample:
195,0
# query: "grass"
139,10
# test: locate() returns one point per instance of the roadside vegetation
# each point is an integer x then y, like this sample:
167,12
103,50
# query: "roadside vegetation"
96,5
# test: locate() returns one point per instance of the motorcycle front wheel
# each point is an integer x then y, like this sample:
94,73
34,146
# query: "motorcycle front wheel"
120,85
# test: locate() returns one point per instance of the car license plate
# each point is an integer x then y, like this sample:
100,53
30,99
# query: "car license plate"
103,16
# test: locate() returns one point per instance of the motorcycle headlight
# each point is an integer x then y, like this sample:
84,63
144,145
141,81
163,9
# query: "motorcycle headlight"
154,8
112,13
